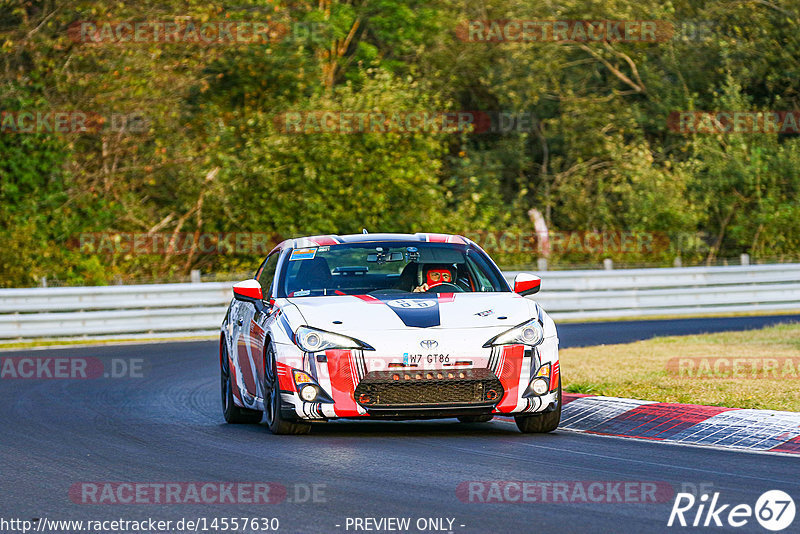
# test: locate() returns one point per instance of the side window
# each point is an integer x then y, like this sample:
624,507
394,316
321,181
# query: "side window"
268,273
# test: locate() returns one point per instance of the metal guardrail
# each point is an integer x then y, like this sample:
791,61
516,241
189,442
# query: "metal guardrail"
671,291
167,309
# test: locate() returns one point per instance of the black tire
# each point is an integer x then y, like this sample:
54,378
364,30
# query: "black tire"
272,409
543,422
232,413
476,418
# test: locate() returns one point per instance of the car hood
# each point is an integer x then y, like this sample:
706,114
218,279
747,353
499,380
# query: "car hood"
350,314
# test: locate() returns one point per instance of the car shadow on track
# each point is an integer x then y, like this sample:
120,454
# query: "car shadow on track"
433,428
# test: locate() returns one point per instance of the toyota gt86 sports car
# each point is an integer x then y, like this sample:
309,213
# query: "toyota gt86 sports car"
387,326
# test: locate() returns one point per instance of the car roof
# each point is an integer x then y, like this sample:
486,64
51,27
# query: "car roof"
332,239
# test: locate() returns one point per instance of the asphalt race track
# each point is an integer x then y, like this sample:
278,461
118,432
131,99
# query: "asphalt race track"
164,425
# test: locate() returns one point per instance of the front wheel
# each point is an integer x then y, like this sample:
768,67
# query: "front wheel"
233,414
542,422
272,399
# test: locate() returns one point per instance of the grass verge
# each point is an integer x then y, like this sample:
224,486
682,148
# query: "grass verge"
753,369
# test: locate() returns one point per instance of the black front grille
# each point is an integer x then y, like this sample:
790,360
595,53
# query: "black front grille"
411,388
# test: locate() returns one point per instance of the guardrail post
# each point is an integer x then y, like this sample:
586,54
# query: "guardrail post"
43,281
745,258
541,264
195,276
678,262
608,264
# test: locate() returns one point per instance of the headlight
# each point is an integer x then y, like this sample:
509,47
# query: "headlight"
529,333
313,340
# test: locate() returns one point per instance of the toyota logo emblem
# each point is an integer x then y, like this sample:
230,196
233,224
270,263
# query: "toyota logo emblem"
429,343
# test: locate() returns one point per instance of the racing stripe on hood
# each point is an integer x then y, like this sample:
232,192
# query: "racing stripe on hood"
418,310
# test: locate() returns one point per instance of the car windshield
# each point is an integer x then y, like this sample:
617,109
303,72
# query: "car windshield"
387,267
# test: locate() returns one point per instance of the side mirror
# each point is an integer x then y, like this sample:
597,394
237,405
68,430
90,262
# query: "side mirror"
248,291
527,284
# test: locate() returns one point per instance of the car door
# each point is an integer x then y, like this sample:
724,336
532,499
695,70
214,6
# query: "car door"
250,324
260,322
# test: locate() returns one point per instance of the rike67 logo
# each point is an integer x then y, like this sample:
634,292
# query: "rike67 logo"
774,510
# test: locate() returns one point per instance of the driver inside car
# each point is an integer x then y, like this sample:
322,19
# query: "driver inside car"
433,277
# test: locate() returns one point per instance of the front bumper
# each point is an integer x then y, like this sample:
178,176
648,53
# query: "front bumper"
410,393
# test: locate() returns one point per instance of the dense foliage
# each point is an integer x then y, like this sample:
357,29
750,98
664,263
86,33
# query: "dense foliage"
206,153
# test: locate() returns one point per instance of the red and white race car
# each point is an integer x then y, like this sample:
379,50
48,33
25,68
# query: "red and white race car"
389,326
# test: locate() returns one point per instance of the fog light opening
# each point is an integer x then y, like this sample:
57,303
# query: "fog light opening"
308,393
540,386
